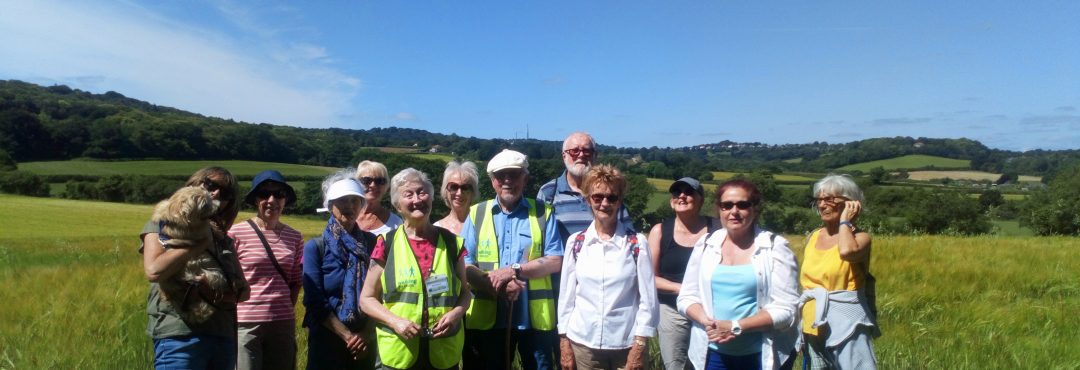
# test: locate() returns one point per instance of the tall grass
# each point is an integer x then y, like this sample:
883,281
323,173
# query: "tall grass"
74,293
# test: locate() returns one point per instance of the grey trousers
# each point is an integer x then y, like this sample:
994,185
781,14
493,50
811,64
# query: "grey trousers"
674,336
266,345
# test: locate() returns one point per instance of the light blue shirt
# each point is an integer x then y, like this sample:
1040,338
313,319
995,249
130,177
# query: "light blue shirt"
515,238
735,297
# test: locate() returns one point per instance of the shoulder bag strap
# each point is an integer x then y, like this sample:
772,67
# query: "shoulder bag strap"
269,252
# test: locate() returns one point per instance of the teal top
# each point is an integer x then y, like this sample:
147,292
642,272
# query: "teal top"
734,295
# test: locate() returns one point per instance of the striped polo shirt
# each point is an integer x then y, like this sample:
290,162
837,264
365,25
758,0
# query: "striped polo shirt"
270,294
571,209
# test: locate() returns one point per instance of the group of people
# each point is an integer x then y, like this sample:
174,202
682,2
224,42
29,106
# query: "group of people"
558,281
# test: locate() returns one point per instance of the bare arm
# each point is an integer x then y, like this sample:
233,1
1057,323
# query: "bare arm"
160,263
540,267
479,280
854,247
662,285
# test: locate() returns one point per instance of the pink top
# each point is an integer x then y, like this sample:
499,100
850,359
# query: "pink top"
271,296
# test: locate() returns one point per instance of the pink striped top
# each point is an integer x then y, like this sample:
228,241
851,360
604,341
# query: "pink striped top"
271,296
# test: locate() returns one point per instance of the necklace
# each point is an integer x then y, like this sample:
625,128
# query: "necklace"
276,229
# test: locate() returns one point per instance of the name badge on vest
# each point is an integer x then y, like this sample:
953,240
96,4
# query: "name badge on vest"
437,284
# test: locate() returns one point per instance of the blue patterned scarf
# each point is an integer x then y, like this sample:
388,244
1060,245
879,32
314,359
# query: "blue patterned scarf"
354,257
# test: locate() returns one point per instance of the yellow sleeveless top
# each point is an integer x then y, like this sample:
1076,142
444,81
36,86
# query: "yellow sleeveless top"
824,268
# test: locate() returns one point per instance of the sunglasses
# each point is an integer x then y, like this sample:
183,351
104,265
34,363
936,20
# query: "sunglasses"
599,198
212,186
577,152
683,190
830,200
508,175
453,187
742,204
266,193
367,181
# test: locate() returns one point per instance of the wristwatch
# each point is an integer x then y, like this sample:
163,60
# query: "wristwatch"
517,270
736,330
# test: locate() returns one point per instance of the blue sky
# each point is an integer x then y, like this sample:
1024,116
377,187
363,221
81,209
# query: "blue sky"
632,73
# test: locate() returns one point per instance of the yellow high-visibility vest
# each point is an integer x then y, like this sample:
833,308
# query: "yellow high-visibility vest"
481,314
404,294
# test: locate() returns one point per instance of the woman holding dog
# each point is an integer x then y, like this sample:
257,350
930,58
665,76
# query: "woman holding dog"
741,289
340,335
270,253
375,218
416,288
183,343
836,269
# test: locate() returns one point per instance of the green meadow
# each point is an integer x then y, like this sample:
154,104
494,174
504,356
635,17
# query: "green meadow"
167,168
909,162
74,293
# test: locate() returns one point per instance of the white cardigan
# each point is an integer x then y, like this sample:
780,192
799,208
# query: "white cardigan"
777,293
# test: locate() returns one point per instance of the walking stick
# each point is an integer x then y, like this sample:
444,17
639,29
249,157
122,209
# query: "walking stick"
509,324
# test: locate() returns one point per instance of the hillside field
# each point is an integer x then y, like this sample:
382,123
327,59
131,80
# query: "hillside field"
246,169
75,293
910,162
964,175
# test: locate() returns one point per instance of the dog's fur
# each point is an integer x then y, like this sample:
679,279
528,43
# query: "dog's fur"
185,223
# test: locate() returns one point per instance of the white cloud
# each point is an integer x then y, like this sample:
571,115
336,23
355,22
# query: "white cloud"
145,55
404,116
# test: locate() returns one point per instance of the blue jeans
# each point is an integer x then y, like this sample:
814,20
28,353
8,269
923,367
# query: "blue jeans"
195,352
486,349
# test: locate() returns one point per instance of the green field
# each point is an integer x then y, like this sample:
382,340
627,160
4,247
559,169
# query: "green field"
723,176
435,156
168,168
74,293
910,162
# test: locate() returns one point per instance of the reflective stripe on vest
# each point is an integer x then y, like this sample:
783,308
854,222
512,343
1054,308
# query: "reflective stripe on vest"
481,314
404,295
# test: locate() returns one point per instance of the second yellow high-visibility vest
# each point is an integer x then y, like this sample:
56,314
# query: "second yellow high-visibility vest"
404,294
481,314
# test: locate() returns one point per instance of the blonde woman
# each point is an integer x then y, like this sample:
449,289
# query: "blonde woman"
459,189
374,218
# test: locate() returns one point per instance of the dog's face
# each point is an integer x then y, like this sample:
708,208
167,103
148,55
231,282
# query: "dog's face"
191,204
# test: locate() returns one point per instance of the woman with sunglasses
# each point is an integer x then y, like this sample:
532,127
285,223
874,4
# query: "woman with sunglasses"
836,268
340,335
416,288
375,218
741,289
178,343
270,253
459,188
607,297
670,244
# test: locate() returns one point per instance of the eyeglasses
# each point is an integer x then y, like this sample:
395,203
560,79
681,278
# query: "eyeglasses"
505,175
410,195
367,181
742,204
453,187
676,192
599,198
833,199
212,186
266,193
578,152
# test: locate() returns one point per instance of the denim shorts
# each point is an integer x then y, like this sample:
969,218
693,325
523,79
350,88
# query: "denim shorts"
195,352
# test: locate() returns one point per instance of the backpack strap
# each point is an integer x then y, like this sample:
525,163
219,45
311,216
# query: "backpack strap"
579,240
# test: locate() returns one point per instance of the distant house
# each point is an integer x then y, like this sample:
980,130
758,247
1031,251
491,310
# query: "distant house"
435,148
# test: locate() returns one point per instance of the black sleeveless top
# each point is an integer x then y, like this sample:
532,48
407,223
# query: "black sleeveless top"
674,257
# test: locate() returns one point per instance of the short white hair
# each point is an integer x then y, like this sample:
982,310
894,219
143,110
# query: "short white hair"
345,173
838,184
409,175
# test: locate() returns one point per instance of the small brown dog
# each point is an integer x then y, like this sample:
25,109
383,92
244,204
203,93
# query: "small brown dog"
185,223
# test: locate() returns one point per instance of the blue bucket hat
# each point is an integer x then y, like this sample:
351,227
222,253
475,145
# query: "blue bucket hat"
270,175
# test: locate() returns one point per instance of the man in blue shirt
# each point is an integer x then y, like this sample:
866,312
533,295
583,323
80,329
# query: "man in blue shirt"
514,247
564,192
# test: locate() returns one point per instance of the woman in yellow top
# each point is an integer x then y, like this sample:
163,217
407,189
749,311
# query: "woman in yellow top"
834,270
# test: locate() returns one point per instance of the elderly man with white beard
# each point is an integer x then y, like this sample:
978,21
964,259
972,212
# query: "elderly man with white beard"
564,193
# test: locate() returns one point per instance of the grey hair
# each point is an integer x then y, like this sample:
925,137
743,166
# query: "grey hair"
345,173
406,176
839,184
576,133
467,170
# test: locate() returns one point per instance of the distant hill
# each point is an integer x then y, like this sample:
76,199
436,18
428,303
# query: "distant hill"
911,162
54,123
